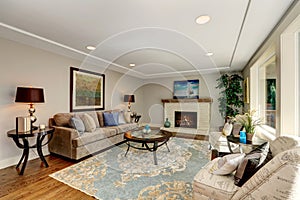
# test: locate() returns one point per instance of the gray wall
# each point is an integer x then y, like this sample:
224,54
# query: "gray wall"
156,89
23,65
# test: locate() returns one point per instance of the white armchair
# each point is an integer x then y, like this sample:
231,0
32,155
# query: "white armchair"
278,179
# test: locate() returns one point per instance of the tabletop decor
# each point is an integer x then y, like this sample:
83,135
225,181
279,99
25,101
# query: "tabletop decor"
249,121
86,90
130,99
31,96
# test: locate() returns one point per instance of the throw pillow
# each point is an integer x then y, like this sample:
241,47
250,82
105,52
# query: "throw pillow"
227,129
77,124
122,117
252,162
100,118
88,122
127,117
227,164
93,114
62,119
111,119
236,129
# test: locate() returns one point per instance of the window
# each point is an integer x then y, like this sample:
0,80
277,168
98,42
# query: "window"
267,92
263,89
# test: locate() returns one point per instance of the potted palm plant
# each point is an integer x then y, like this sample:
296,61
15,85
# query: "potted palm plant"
249,121
231,95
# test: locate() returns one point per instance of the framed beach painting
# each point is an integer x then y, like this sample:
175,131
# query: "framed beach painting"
86,90
186,89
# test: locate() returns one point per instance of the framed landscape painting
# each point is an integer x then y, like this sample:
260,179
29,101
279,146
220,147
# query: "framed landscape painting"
86,90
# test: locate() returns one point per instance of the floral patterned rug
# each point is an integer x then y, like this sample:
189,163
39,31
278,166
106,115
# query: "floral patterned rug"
111,175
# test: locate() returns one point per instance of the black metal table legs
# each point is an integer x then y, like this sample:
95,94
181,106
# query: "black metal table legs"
145,146
39,141
24,157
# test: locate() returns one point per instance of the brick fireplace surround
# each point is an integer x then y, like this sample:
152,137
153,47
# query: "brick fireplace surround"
202,106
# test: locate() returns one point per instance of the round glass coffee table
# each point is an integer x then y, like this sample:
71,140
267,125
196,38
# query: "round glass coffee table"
150,141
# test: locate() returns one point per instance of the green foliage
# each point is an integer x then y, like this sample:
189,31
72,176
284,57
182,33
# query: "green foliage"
231,94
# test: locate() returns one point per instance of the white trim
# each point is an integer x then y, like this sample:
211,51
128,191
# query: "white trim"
289,103
14,160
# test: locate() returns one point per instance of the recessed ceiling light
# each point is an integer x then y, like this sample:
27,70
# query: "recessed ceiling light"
89,47
131,65
209,54
203,19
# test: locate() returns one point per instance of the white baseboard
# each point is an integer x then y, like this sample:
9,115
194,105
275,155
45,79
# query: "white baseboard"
14,160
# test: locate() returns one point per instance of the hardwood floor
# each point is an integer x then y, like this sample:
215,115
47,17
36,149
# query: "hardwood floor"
36,183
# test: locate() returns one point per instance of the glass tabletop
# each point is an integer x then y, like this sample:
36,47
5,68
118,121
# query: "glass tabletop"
150,135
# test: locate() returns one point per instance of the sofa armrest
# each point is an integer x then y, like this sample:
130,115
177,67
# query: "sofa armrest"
61,142
278,179
66,132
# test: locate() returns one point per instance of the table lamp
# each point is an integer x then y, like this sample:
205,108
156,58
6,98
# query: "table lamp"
30,95
129,99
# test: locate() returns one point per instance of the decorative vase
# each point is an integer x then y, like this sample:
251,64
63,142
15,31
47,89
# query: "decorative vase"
243,137
167,124
147,129
249,136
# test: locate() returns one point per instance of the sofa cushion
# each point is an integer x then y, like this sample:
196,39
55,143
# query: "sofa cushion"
214,186
111,118
227,164
284,143
77,123
124,127
98,134
63,119
252,162
88,122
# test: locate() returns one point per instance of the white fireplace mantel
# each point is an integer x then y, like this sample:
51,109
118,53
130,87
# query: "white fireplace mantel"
202,106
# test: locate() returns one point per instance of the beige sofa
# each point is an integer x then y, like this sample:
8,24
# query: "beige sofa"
70,143
278,179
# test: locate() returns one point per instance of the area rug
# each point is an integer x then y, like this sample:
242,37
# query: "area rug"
111,175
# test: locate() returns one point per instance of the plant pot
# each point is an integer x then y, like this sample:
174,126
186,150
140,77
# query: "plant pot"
249,136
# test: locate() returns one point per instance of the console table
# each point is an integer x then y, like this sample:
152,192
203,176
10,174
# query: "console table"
21,140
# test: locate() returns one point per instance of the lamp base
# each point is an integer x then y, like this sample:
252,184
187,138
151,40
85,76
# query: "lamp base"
34,128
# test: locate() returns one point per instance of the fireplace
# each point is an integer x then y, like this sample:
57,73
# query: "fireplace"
185,119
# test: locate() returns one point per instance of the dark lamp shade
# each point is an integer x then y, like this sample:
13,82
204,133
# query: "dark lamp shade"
30,95
129,98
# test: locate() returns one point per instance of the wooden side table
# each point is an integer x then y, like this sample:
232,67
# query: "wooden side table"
21,140
249,146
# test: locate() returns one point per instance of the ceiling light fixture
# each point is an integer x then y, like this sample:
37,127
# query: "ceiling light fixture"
89,47
131,65
203,19
209,54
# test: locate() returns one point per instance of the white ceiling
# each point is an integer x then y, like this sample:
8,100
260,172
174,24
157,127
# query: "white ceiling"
160,37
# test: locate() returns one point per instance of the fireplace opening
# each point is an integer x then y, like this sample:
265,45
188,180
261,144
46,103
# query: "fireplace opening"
185,119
